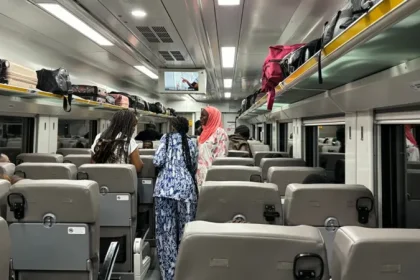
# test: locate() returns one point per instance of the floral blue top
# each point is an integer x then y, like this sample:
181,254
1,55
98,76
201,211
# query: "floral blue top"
174,180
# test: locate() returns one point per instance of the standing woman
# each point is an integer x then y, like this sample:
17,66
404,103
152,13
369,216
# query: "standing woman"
115,144
212,143
175,193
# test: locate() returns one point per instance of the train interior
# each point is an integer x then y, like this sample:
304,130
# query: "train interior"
327,191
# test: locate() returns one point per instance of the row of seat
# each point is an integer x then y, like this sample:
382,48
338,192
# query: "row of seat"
228,251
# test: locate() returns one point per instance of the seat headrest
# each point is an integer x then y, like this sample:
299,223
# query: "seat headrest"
149,169
73,151
258,156
248,251
314,204
4,190
375,254
7,168
283,176
234,161
258,148
147,152
78,160
234,153
39,158
221,202
5,249
118,178
266,163
70,201
234,173
40,171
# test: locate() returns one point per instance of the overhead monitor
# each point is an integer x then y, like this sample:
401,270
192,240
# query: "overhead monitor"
183,81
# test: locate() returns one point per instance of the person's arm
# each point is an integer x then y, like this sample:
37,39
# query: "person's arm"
136,160
160,155
222,142
186,81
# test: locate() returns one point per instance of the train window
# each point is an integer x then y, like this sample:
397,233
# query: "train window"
400,170
282,137
75,133
16,136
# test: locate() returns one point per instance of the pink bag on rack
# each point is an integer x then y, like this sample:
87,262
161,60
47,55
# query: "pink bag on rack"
121,100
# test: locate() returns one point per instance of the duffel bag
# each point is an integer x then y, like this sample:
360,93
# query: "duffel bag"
89,92
58,82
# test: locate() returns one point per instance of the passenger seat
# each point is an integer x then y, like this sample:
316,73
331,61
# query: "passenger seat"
234,173
234,161
260,155
5,245
266,163
73,151
240,202
258,148
7,168
4,190
329,207
40,171
227,251
376,254
234,153
54,228
78,160
53,158
147,152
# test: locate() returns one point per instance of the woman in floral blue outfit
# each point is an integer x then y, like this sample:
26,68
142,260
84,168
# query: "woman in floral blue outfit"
175,193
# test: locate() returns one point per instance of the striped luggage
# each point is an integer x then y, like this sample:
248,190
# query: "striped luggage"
16,75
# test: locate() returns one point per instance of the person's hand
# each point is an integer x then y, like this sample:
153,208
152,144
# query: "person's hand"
184,80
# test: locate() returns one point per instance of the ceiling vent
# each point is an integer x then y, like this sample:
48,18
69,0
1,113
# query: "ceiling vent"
166,55
177,55
148,34
162,34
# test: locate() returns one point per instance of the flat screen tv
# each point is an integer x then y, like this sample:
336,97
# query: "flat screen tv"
186,81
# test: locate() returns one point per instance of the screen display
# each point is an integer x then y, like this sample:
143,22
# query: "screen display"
181,81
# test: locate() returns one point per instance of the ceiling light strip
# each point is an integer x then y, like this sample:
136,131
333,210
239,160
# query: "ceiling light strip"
147,72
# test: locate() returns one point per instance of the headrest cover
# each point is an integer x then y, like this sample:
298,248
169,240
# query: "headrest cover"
40,171
40,158
283,176
73,151
234,161
148,170
7,168
247,251
118,178
375,254
234,173
70,201
220,202
313,204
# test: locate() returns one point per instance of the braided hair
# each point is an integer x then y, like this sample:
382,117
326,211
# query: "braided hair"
113,143
181,126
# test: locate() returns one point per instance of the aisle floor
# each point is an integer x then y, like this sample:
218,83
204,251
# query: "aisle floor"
154,274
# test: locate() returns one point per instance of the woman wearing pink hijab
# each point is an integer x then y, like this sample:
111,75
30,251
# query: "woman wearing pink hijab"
411,144
212,143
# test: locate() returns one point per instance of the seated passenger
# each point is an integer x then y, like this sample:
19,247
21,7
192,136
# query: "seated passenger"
115,144
316,179
4,158
12,179
411,144
149,134
175,193
239,140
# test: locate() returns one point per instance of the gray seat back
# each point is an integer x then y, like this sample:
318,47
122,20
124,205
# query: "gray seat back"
5,249
375,254
250,202
73,151
234,153
234,173
234,161
146,180
258,148
118,205
39,171
53,158
283,176
61,217
7,168
413,165
147,152
329,207
243,251
258,156
4,190
78,160
266,163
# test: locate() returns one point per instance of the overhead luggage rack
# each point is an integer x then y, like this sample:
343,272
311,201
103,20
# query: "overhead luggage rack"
56,99
380,39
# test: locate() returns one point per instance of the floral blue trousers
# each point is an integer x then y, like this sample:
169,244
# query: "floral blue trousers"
171,217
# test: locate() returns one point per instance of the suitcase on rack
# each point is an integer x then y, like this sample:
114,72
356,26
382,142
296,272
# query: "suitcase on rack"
16,75
120,100
93,93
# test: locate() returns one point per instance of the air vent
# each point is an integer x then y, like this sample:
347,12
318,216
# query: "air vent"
166,55
162,34
148,34
177,55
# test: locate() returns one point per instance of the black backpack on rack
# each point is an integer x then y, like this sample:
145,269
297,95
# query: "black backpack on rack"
58,82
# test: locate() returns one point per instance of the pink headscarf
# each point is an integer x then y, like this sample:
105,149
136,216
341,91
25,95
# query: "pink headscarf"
213,123
409,135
